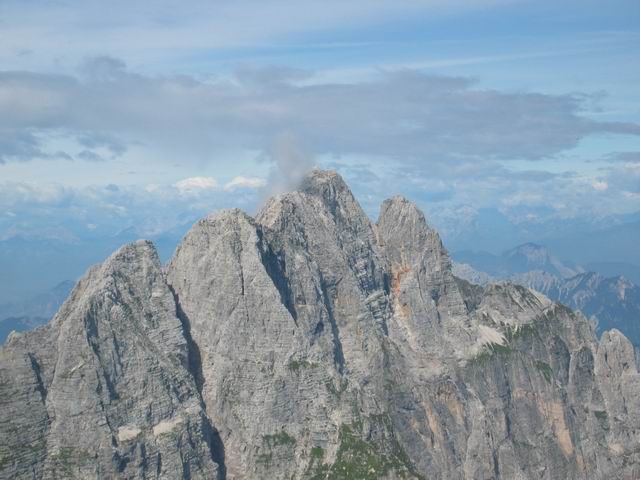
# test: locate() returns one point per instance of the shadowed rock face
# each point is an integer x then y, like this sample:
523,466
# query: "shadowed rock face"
310,342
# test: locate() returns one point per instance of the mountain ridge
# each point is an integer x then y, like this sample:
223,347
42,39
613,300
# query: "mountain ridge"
310,342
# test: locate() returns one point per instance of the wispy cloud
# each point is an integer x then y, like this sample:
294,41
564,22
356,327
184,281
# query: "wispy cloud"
241,182
404,114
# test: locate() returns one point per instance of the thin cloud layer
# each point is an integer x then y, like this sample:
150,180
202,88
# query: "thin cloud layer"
402,114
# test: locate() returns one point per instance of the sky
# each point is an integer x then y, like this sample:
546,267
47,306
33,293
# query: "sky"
146,115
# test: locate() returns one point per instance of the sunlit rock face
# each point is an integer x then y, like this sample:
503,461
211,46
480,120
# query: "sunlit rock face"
310,342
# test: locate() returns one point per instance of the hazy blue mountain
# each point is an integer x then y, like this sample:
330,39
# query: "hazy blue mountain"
32,264
521,259
19,324
33,312
611,239
613,300
612,269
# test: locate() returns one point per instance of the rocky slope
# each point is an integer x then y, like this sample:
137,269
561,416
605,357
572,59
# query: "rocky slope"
611,302
309,342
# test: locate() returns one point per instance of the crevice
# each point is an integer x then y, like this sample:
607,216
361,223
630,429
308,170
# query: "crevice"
194,366
338,354
35,366
276,268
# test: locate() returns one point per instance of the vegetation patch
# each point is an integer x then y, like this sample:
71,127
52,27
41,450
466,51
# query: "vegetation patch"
545,369
522,331
278,439
358,458
603,418
68,458
264,458
295,365
317,452
490,351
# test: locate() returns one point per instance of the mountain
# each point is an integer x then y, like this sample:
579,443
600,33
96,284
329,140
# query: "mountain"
32,264
33,312
615,269
521,259
310,342
582,239
613,302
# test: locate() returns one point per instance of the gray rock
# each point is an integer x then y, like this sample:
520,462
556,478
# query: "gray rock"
103,390
310,342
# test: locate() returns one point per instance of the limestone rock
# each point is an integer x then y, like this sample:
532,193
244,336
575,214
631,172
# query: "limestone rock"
310,342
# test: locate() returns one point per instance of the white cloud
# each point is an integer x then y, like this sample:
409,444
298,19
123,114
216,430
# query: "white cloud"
195,185
600,185
402,114
245,182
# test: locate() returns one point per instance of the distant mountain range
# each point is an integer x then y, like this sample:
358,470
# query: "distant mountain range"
611,301
35,311
609,239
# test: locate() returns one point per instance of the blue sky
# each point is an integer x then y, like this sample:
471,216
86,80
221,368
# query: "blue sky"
148,114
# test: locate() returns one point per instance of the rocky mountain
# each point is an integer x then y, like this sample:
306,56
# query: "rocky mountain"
35,311
612,302
310,342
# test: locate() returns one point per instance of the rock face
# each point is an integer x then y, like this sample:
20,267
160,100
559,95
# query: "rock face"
310,342
612,302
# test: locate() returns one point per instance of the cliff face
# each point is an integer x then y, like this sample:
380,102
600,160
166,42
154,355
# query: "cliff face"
310,342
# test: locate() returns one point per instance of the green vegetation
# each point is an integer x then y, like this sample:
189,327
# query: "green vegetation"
317,452
360,459
277,439
295,365
522,331
488,353
264,458
69,457
545,369
603,418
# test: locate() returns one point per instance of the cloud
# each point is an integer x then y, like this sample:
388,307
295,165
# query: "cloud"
45,209
400,114
241,182
623,157
599,185
290,163
190,186
623,176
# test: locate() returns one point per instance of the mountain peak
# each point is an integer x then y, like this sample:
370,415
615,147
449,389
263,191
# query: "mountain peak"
327,185
305,344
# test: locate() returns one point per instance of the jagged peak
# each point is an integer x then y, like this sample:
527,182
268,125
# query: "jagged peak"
403,230
318,177
399,205
138,250
320,189
328,186
229,214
